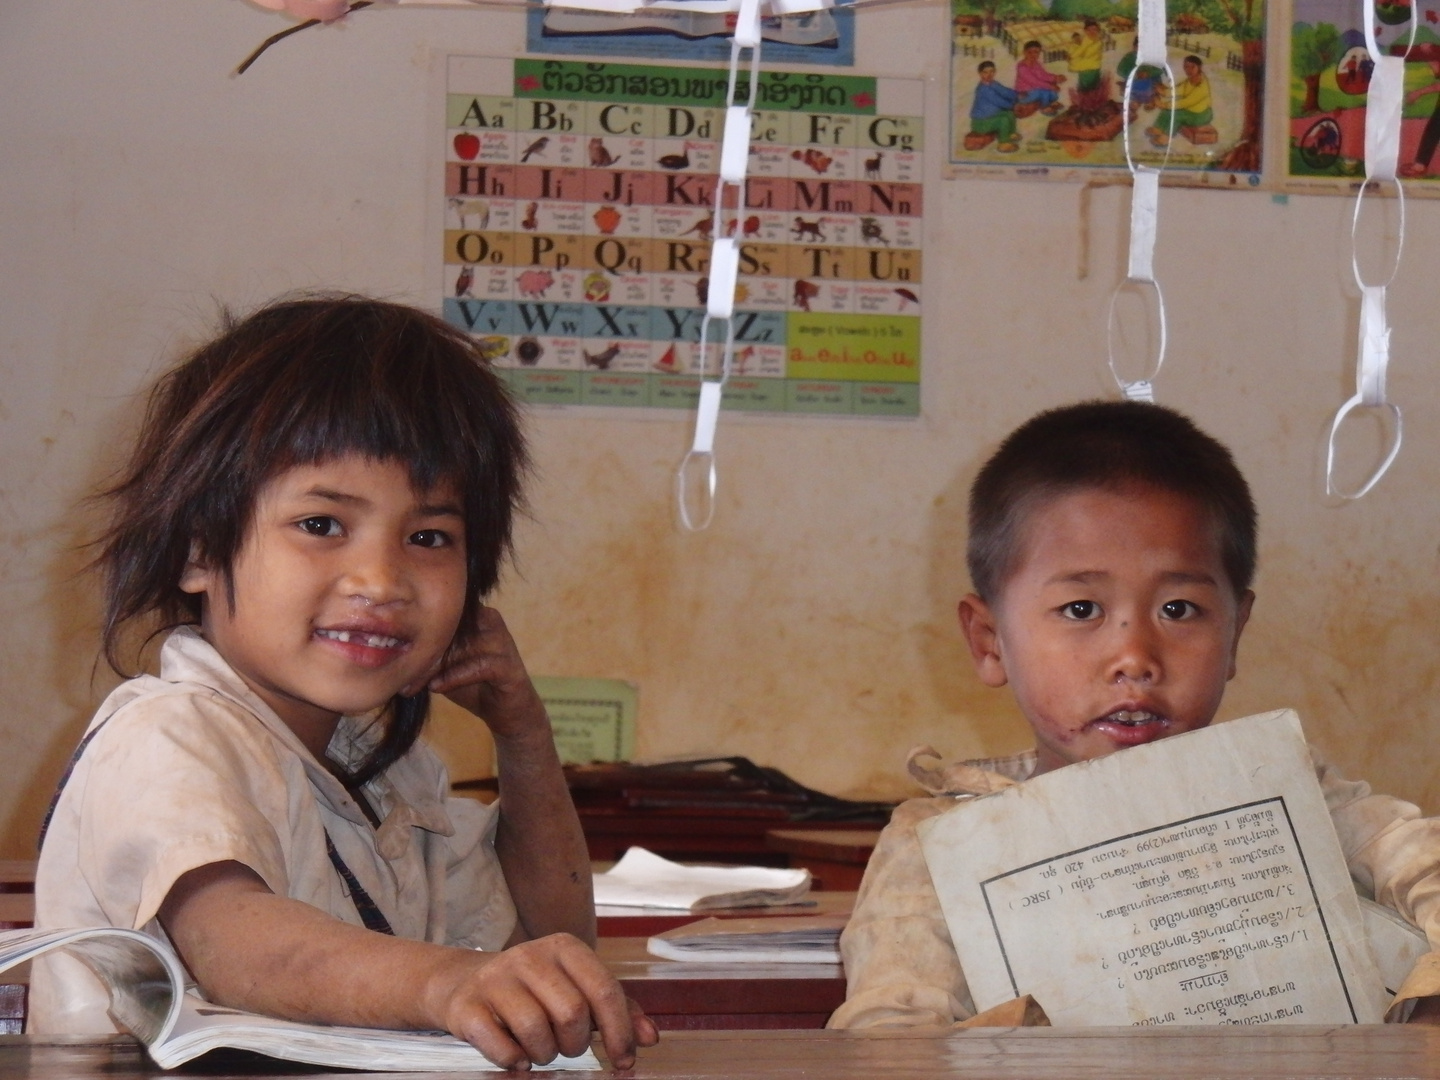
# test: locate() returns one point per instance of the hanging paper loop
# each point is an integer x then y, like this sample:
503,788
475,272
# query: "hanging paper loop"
1385,99
1142,389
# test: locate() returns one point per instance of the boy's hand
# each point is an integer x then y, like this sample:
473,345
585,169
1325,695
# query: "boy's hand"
489,679
536,1000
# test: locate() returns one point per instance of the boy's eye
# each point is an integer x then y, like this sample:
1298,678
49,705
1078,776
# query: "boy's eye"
321,525
431,538
1081,610
1178,609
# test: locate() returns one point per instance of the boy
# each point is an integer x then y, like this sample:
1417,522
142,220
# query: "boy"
1112,546
992,114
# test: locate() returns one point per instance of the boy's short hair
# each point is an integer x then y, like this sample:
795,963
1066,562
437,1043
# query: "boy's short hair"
1030,45
1107,445
986,65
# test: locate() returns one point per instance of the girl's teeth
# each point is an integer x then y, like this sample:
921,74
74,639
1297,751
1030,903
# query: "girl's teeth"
374,641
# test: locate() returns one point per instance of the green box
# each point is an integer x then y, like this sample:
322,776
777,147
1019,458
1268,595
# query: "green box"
887,399
593,719
675,391
616,388
816,396
754,395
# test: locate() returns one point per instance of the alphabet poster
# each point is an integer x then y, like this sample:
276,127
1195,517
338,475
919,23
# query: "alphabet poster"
579,211
1037,90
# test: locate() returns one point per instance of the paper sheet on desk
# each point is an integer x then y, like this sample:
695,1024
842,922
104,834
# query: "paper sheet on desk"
643,879
1195,880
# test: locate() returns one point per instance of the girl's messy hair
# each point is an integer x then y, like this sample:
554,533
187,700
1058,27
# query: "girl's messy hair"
300,382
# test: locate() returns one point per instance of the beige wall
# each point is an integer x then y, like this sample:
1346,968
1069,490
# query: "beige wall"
812,627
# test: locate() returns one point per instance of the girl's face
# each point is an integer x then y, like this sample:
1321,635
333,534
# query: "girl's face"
349,586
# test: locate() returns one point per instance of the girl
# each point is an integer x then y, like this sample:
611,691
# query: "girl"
317,503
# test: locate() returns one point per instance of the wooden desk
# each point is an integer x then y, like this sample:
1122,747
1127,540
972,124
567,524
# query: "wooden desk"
1319,1053
17,910
690,996
646,922
836,858
17,875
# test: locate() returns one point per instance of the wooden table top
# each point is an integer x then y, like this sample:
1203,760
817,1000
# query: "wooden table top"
838,845
1173,1053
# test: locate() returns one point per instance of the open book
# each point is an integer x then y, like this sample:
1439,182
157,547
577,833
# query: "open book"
643,879
778,939
1194,880
147,999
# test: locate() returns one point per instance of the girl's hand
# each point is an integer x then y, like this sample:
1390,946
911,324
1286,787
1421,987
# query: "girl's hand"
489,679
539,999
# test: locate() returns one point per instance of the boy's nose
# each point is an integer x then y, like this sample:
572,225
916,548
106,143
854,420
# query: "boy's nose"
1136,658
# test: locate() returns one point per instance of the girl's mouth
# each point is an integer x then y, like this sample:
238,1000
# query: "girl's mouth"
357,637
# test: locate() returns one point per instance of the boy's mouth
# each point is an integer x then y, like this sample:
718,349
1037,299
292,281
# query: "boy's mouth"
1131,727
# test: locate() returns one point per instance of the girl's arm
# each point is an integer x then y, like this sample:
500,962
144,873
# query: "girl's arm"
539,840
251,949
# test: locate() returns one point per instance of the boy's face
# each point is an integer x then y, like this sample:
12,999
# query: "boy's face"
349,586
1117,627
987,74
1032,54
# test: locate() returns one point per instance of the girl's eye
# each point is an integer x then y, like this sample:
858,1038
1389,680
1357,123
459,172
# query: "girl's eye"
1178,609
321,525
431,538
1081,610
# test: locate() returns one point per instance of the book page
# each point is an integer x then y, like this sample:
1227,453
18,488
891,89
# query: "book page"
1195,880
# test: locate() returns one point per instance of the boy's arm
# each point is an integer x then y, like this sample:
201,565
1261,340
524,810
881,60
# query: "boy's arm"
251,949
1395,853
901,968
539,840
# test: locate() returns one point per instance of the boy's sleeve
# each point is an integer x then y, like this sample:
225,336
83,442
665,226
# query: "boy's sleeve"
1394,853
900,965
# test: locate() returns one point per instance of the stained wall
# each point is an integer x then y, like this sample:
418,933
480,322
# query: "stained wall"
812,626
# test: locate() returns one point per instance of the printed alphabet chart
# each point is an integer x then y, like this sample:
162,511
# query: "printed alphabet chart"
579,212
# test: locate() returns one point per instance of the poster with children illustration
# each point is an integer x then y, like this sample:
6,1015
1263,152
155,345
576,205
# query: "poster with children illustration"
1330,71
1038,86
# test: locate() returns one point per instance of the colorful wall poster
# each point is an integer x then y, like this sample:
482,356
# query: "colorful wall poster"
1330,72
1037,90
579,211
815,37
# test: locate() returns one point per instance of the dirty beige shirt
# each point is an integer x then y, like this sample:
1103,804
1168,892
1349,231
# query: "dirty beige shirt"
192,768
901,967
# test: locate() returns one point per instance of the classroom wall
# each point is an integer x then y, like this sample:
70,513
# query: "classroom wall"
812,626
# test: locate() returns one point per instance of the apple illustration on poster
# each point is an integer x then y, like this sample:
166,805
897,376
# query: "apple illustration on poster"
467,145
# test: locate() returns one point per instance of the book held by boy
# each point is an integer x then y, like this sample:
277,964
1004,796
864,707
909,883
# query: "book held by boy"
779,939
148,999
643,879
1193,880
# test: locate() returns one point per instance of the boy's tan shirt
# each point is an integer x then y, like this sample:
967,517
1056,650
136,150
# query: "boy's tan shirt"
900,963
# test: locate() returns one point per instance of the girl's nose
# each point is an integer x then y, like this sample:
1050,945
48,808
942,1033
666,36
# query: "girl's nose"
377,575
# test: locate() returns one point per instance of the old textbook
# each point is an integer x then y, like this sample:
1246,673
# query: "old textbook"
147,999
777,939
1194,880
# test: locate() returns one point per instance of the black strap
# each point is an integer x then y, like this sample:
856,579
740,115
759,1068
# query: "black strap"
370,913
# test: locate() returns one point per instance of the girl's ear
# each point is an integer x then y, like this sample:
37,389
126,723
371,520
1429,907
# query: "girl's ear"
196,577
977,623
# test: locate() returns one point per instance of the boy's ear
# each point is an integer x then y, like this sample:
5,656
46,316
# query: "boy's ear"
977,623
1242,616
196,577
